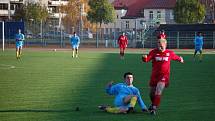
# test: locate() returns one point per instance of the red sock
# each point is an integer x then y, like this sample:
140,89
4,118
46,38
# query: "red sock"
156,101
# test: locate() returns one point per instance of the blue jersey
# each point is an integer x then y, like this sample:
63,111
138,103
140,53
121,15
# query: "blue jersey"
19,39
75,40
198,42
121,90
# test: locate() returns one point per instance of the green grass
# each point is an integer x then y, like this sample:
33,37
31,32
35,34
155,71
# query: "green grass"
48,86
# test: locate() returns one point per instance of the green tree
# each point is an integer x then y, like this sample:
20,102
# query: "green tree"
31,11
72,14
101,11
20,13
189,11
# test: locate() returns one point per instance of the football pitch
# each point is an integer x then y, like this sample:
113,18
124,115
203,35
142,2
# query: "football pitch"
48,86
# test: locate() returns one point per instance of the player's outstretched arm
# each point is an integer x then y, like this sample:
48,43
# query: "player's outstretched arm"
110,89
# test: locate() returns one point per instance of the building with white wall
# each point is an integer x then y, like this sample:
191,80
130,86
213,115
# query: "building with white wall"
8,7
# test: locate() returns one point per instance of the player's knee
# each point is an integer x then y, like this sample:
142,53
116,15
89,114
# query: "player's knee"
160,87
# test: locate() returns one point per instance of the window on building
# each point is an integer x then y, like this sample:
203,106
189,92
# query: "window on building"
150,14
127,24
3,6
159,15
12,7
171,15
106,30
55,9
142,12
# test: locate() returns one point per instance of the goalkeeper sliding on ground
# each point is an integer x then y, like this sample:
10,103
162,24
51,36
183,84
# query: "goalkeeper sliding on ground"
126,96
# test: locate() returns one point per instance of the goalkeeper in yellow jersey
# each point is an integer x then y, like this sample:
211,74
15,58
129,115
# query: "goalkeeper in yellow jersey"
126,96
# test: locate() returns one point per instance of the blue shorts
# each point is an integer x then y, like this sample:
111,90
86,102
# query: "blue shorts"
19,44
75,46
118,102
198,48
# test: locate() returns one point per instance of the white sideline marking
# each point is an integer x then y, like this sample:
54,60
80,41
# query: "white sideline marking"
5,66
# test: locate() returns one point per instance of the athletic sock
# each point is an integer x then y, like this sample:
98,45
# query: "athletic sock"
17,54
113,110
133,101
152,97
73,53
120,54
20,53
156,101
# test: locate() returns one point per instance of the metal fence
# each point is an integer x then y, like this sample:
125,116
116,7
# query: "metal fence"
48,34
182,39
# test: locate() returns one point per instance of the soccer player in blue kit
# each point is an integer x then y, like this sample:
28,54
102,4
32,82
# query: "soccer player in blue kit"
75,41
19,43
126,96
198,45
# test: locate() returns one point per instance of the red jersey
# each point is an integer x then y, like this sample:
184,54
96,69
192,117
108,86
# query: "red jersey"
122,41
161,65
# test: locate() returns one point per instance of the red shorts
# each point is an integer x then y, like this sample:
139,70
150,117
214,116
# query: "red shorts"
154,80
122,47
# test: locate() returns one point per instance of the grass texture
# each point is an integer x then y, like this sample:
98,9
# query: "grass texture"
48,86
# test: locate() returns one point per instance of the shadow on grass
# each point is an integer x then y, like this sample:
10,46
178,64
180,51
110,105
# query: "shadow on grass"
35,111
38,111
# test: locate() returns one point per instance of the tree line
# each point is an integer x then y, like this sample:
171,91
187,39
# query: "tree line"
97,12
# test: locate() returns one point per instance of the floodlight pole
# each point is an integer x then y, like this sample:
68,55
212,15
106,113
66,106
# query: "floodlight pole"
41,30
3,36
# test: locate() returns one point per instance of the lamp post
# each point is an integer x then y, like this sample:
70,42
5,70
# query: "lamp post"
9,10
3,36
213,11
81,19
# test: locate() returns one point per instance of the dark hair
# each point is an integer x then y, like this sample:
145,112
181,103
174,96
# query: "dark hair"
199,33
127,73
74,32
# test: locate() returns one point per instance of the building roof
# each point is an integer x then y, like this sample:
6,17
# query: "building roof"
134,7
160,4
122,4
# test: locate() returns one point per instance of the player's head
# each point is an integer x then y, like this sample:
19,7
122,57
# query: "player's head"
123,33
128,77
74,33
162,43
162,31
199,33
19,30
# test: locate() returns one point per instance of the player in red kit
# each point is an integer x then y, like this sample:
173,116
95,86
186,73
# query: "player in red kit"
122,42
160,58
